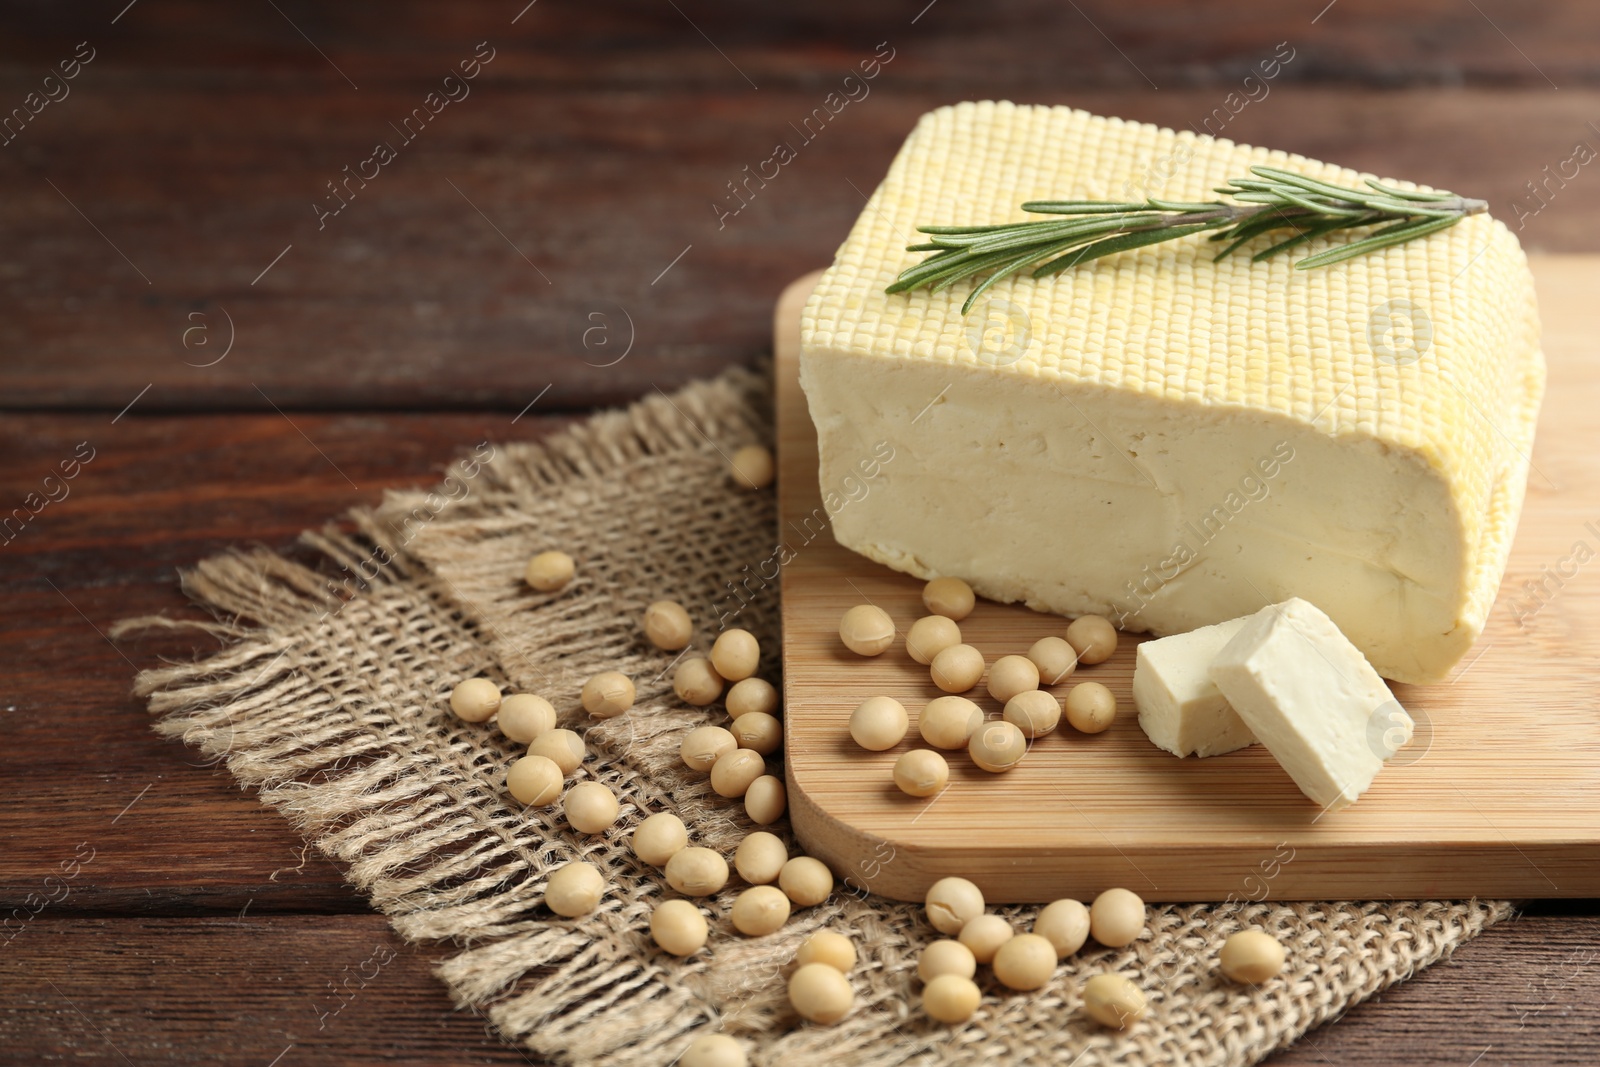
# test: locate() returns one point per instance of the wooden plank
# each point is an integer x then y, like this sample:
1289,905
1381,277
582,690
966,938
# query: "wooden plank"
1005,44
1493,799
164,828
241,991
410,298
287,990
1524,992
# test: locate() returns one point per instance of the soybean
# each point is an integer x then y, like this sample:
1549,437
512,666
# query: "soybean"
766,800
679,927
534,780
524,717
549,571
697,682
946,957
751,695
564,747
825,946
921,773
591,808
736,654
984,934
696,871
807,881
713,1050
753,467
759,732
1116,918
1035,712
1025,962
866,630
733,773
997,747
951,903
879,723
759,910
760,857
475,699
949,722
950,597
1091,707
820,993
1011,675
667,625
957,669
1065,924
1055,658
1111,1000
607,695
931,635
574,889
660,837
1093,638
1251,956
704,745
951,998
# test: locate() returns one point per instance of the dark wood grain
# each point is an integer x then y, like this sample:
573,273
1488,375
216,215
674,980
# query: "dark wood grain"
1525,992
158,495
241,991
707,43
590,155
410,298
311,989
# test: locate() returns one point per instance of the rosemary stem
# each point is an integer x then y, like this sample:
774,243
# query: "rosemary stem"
1269,199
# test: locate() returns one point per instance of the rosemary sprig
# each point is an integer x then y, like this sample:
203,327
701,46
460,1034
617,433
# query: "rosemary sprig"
1271,199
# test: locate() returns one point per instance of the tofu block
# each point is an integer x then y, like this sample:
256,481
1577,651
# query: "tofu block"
1180,707
1313,700
1163,439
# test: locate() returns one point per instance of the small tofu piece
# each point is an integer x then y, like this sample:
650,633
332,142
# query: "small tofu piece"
1312,699
1180,707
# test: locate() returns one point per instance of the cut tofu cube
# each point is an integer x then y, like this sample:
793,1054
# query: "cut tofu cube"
1313,700
1180,707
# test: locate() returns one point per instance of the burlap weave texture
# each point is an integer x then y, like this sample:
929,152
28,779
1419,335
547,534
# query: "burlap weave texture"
332,702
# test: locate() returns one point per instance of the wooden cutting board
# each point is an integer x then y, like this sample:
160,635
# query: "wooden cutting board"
1499,795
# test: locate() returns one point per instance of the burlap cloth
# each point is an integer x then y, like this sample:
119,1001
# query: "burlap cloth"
331,700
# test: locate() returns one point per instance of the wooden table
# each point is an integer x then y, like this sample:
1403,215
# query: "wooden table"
180,298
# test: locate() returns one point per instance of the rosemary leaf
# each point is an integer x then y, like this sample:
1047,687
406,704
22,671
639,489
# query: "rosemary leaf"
1300,181
1081,207
1022,235
1118,244
1260,224
1310,233
1371,244
1319,207
994,279
965,229
1407,194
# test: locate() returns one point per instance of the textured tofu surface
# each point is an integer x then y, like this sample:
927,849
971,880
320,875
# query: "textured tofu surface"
1100,441
1313,700
1181,709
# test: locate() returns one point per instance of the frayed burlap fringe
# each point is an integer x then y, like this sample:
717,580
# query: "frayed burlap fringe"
331,701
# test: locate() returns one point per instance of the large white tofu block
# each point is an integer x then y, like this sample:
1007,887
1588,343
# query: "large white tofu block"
1164,439
1180,707
1313,700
